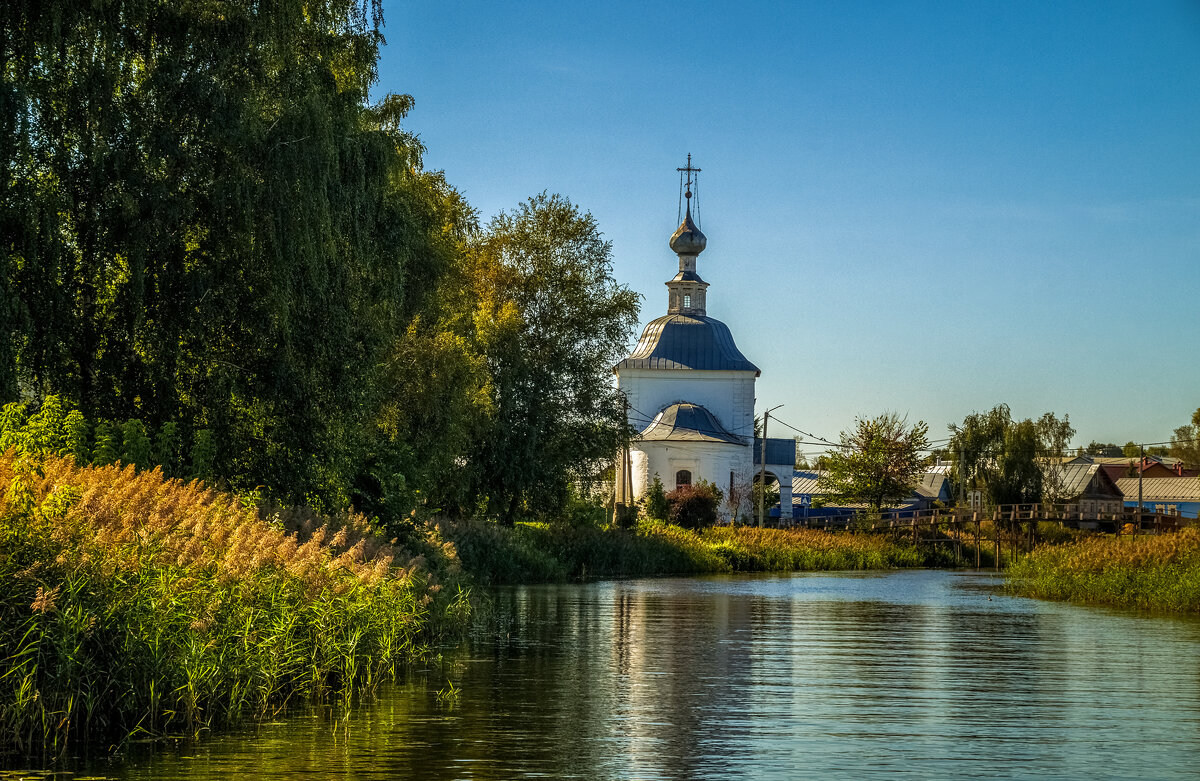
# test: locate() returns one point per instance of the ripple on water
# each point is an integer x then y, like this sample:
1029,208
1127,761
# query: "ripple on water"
834,676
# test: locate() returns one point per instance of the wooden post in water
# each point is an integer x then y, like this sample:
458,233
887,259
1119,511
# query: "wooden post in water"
958,538
1014,539
996,534
975,517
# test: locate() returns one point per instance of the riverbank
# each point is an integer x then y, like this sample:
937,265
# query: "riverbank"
135,605
537,552
1160,573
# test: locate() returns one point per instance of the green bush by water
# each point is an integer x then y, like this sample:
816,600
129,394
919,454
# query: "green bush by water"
1148,572
538,552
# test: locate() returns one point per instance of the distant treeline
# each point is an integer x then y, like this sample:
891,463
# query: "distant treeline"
209,230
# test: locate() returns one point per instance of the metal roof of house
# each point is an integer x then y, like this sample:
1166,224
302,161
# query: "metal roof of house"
1090,459
805,482
1075,478
779,451
1161,489
684,422
933,485
678,341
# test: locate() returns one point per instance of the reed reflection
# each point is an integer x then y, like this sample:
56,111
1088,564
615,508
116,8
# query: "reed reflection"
904,675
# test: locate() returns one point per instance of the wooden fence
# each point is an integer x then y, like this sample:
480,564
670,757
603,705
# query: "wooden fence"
1011,527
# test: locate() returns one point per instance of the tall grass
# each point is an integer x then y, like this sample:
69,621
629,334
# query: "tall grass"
537,552
134,604
752,549
1149,572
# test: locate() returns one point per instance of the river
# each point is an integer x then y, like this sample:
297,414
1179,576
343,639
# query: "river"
913,674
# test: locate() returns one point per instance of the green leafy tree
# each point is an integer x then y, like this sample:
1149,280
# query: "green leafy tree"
108,444
1185,442
879,462
12,425
205,220
204,454
1018,477
77,430
135,444
1012,462
46,430
1053,441
655,501
1105,449
166,448
427,425
551,321
1130,450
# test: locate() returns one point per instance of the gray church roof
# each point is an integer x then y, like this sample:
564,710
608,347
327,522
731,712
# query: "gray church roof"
688,423
680,341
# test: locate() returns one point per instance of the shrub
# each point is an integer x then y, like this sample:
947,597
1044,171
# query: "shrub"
108,444
694,506
135,444
655,502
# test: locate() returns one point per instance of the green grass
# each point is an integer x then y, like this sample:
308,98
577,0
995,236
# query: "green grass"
1160,573
539,552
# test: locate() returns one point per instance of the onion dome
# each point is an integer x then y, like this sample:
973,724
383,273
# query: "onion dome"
687,238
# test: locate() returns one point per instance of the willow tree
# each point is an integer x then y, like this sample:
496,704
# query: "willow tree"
1012,462
205,221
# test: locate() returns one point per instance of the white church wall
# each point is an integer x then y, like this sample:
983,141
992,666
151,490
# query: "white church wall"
711,461
727,395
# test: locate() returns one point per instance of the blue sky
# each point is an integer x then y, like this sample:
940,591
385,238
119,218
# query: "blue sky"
922,207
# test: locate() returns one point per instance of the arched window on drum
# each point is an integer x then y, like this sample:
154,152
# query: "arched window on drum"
683,477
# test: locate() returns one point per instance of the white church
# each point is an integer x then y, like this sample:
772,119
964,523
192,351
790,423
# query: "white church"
691,393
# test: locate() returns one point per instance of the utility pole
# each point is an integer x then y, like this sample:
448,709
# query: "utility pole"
1141,467
621,469
628,458
762,473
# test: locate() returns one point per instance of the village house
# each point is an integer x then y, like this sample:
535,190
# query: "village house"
811,500
1169,495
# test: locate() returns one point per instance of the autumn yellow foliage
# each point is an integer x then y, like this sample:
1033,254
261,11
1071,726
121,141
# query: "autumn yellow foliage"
134,603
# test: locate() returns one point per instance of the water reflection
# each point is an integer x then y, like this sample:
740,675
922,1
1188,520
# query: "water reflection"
903,675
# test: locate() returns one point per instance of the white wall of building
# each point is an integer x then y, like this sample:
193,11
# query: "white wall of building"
711,461
727,395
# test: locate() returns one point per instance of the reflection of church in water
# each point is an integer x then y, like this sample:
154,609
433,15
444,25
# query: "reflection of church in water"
691,392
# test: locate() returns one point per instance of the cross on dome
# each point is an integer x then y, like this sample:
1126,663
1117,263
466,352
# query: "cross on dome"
688,238
687,289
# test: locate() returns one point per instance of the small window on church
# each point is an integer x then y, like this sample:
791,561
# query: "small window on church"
683,477
687,300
